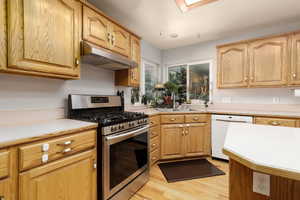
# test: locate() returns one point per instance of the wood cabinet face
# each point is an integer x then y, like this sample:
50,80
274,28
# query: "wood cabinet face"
71,178
3,35
268,62
121,40
44,37
95,28
171,141
5,189
276,122
196,140
295,70
233,66
135,56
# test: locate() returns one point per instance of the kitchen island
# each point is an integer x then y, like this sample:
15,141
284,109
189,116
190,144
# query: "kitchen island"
264,162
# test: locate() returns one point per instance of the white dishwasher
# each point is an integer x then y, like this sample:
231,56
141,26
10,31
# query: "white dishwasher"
219,130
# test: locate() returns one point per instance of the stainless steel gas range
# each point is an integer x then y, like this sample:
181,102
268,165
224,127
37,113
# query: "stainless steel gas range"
123,143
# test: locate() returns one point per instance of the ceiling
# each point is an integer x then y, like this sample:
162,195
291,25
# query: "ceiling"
156,20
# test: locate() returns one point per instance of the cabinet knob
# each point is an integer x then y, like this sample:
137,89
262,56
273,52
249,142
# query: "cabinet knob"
67,143
153,158
294,75
172,119
274,123
108,37
67,150
196,118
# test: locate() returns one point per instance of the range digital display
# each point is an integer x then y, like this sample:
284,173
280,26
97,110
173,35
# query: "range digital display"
99,100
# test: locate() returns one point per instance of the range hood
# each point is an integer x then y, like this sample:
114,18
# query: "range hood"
101,57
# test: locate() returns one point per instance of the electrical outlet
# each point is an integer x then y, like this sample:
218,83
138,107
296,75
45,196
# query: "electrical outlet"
261,183
226,100
276,100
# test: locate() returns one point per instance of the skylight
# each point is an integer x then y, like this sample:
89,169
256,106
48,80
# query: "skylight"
190,2
186,5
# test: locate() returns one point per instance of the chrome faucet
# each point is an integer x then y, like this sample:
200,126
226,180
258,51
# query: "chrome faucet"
175,105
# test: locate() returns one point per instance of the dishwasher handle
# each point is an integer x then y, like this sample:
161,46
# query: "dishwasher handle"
223,120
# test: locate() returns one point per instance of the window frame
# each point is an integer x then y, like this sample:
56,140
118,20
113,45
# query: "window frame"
147,62
188,64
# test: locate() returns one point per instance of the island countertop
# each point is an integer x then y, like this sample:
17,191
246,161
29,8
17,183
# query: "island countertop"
267,149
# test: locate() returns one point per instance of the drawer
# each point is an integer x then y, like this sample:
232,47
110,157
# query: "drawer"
154,143
172,119
154,131
196,118
276,121
154,121
4,163
36,154
154,156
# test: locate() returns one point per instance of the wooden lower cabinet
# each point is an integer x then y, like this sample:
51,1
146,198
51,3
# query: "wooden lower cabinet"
172,141
277,122
185,140
197,140
70,178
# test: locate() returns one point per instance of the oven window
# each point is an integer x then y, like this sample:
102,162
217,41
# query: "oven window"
126,157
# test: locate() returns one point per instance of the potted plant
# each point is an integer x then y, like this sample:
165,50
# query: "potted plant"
171,89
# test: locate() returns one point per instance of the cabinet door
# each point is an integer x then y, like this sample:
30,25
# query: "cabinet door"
197,139
295,71
233,66
3,47
268,62
44,37
135,56
5,189
171,141
95,28
120,40
70,178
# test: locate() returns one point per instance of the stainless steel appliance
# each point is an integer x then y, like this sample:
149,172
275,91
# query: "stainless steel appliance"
219,131
123,143
101,57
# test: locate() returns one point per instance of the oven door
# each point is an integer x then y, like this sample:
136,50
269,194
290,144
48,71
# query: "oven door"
125,156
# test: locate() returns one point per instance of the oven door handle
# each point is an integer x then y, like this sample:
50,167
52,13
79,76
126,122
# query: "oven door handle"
120,137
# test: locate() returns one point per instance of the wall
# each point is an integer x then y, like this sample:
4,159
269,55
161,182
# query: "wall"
207,51
19,92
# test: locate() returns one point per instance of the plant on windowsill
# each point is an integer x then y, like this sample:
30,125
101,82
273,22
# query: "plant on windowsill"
171,90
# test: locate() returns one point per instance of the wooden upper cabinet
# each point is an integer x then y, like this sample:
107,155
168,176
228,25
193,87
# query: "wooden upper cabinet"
120,40
232,66
3,35
295,68
95,28
269,62
135,56
197,140
70,178
171,141
44,37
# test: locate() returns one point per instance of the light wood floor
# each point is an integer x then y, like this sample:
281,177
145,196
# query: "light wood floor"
213,188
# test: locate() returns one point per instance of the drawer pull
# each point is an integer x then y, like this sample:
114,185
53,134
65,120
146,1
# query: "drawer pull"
153,145
67,150
153,158
196,118
273,123
173,119
67,143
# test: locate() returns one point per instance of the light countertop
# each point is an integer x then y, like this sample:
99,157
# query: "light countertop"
16,134
267,149
221,111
